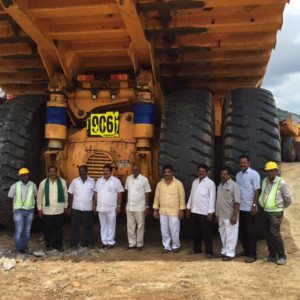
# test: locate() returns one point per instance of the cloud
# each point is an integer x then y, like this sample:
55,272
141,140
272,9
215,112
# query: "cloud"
287,93
283,72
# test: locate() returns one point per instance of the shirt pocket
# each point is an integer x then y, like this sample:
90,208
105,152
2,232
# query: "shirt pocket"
228,197
204,191
100,186
77,188
247,183
110,189
139,187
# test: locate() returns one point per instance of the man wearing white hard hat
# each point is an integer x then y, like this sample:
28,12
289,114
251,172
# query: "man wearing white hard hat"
23,194
274,197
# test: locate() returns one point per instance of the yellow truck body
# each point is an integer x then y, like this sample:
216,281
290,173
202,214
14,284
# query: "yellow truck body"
122,58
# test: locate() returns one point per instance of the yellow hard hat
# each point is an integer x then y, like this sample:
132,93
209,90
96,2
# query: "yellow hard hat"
271,165
23,171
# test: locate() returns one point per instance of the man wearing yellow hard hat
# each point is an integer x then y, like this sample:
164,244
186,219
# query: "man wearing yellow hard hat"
274,197
23,194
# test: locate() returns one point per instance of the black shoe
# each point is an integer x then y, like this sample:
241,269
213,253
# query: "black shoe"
270,259
73,247
49,248
130,247
192,252
209,256
60,248
165,251
220,255
250,259
102,246
177,250
243,253
227,258
87,245
27,251
139,248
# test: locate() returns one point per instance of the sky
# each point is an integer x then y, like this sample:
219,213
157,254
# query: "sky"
283,72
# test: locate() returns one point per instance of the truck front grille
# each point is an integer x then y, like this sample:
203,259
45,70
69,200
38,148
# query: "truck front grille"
96,162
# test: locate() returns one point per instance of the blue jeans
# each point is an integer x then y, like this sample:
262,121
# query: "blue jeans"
23,219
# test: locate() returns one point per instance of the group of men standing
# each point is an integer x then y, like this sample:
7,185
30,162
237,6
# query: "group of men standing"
233,203
82,200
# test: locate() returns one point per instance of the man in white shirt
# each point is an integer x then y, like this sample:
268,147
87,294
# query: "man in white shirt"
107,201
81,193
52,203
248,181
201,209
137,208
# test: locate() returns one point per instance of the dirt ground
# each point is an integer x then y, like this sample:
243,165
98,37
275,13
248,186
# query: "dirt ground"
151,275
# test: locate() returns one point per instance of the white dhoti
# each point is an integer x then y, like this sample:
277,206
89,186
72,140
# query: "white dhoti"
229,236
170,229
108,227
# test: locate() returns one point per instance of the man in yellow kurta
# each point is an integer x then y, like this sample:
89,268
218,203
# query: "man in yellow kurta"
169,206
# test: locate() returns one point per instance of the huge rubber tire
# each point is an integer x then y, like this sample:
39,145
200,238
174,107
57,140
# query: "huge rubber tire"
21,143
250,126
187,134
289,153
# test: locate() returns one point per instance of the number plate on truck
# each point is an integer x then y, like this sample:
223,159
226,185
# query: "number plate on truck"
103,124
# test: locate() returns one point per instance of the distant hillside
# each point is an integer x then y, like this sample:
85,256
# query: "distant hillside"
283,114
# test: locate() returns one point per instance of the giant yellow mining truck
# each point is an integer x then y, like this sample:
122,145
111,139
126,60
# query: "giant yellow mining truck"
122,82
290,139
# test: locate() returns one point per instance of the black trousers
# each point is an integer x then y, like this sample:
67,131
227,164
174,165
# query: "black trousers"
274,239
247,232
53,230
86,219
202,230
